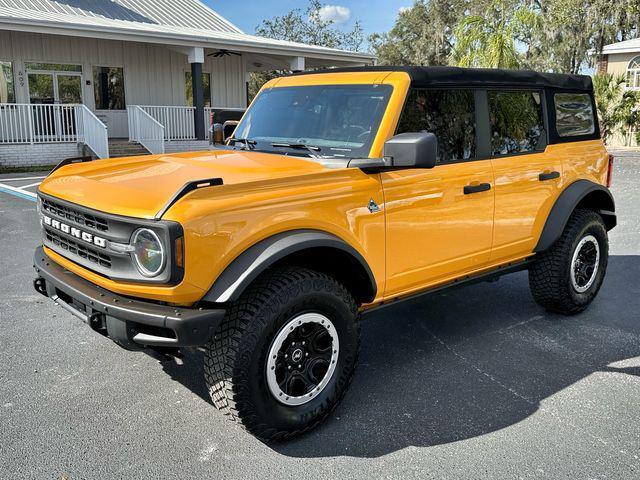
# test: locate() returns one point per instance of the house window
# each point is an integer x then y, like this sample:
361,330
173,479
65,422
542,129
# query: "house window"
516,122
574,114
633,73
449,114
53,67
7,92
206,85
108,87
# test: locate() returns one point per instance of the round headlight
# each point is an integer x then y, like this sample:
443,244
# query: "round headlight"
148,252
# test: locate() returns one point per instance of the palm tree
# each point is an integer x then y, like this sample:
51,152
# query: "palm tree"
490,40
609,90
630,114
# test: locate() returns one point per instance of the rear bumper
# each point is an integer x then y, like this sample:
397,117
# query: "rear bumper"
131,323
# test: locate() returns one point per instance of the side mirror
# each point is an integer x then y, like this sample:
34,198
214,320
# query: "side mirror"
418,150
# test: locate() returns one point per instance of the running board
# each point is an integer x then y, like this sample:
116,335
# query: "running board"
489,276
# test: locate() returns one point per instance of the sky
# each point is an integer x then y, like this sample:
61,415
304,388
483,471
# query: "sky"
374,15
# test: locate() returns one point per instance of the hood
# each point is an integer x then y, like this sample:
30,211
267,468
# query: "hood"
142,186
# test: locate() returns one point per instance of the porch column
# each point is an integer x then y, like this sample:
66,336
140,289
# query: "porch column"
297,64
196,59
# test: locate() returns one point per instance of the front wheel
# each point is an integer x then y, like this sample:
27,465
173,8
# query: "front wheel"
566,278
285,355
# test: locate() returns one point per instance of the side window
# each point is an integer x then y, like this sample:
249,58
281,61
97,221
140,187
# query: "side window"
574,114
516,122
449,114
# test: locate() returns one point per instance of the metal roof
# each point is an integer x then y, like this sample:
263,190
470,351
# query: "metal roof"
179,13
628,46
94,24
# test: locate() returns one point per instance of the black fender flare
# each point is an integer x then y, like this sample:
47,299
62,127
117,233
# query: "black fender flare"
591,195
245,268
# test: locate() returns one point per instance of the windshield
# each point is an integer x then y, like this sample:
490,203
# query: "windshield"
334,120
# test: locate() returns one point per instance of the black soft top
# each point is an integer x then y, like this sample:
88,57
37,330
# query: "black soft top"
425,77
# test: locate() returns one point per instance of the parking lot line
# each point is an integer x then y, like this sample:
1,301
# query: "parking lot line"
24,187
17,192
18,179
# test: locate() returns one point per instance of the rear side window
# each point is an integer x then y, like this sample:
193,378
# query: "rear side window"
449,114
516,122
574,114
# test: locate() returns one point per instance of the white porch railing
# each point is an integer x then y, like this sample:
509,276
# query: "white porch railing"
57,123
178,122
145,129
92,132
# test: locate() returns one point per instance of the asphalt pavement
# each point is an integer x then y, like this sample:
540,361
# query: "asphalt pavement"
477,382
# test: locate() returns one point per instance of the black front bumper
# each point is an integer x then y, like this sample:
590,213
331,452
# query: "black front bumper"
131,323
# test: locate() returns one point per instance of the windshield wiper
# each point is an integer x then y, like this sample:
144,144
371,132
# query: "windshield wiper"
247,142
299,146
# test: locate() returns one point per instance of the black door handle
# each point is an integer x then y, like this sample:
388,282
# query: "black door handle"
481,187
548,176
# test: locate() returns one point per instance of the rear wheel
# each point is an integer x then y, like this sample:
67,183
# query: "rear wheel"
567,277
285,354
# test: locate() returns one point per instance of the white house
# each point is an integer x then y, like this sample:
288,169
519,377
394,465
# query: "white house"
622,58
81,74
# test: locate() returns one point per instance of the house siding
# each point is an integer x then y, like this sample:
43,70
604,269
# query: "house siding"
618,62
153,74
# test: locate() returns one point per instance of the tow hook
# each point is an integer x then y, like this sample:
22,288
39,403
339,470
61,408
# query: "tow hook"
40,286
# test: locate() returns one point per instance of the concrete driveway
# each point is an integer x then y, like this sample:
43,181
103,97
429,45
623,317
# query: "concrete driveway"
473,383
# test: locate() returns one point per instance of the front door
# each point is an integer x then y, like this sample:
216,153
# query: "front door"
51,91
439,220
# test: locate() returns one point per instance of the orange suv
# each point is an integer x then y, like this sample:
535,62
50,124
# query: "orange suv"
340,191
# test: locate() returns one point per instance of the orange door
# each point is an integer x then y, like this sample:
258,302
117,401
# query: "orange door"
527,174
436,231
526,188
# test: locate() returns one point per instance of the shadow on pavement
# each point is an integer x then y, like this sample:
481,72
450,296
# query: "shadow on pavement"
465,363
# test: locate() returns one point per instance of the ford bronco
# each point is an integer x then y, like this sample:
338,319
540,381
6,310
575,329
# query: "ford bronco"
339,192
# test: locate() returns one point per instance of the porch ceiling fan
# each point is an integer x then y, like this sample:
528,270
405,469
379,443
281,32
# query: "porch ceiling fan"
223,53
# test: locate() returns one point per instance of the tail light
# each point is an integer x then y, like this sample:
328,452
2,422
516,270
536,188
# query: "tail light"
610,171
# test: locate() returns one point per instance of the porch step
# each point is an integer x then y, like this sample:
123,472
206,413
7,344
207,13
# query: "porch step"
124,148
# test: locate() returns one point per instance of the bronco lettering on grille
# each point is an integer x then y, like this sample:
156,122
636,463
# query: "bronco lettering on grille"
75,232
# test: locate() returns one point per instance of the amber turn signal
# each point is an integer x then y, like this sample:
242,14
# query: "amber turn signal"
179,252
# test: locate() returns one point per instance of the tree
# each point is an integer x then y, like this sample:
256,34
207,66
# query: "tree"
304,26
490,39
629,114
422,34
608,90
563,36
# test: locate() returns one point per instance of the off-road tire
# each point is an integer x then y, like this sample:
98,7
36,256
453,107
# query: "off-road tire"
550,274
235,358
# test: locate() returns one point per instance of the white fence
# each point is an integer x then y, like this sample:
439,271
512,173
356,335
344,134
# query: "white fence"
178,122
57,123
145,129
92,132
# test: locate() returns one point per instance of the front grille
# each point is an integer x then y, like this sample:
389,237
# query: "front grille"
78,249
80,218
